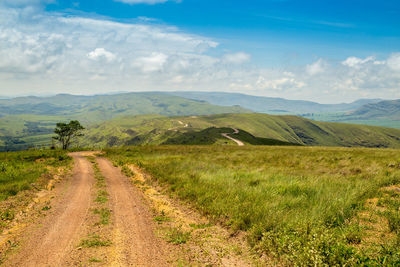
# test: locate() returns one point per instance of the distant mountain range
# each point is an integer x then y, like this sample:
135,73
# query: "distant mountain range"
27,121
376,112
381,110
270,104
102,107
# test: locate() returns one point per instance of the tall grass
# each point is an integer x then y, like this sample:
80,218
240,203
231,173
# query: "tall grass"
19,170
296,203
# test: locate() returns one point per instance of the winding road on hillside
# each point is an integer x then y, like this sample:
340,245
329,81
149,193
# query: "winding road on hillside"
50,241
235,131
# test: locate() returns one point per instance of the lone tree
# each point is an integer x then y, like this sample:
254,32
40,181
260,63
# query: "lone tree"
67,131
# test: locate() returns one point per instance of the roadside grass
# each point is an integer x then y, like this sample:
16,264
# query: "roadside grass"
177,236
162,218
200,226
297,204
20,170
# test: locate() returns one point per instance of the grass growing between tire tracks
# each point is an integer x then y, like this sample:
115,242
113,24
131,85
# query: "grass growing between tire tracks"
299,205
97,242
101,199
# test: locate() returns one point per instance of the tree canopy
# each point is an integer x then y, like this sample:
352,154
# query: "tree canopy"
66,132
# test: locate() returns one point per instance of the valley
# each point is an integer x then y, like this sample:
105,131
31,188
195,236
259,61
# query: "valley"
254,129
170,118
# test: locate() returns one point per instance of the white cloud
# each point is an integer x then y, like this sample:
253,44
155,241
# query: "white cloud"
394,61
236,58
85,55
101,54
316,67
21,53
355,62
280,84
151,63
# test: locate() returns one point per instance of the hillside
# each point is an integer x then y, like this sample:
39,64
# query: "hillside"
381,110
363,111
383,113
98,108
271,105
28,121
139,130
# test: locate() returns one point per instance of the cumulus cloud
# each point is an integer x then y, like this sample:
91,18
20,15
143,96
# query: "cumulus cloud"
316,67
355,62
101,54
236,58
394,62
151,63
279,84
86,55
21,53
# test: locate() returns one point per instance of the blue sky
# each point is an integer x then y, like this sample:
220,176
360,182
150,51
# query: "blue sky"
326,51
270,28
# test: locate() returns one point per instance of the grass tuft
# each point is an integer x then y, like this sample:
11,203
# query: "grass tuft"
177,236
104,214
102,196
94,241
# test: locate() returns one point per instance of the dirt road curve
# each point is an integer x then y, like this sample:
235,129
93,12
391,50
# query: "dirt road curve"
235,131
135,242
49,244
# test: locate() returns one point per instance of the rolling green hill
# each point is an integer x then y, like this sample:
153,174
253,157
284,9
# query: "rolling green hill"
140,130
381,110
121,120
29,121
213,135
383,113
363,111
99,108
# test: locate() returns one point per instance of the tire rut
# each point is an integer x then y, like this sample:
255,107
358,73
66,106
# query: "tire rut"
50,243
135,243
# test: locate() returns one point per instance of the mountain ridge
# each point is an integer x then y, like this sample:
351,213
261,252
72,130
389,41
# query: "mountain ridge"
265,104
155,130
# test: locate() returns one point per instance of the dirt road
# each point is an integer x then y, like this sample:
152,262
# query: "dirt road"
49,243
235,131
53,239
135,242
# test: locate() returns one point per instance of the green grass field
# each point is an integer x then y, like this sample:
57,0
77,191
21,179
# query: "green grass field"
27,121
18,170
298,205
